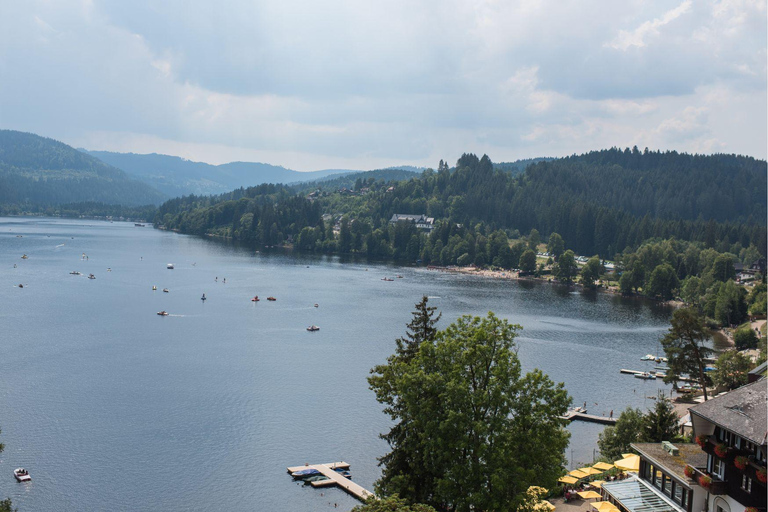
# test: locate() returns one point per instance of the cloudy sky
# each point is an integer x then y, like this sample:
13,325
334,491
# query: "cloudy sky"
360,84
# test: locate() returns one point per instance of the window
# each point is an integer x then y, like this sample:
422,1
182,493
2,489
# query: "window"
679,494
718,468
746,483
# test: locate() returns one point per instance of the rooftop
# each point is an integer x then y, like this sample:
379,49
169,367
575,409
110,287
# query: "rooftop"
689,454
743,411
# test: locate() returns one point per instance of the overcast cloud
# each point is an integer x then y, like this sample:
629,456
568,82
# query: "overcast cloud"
358,84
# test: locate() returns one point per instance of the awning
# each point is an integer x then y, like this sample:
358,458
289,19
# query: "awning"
578,474
637,496
568,480
602,466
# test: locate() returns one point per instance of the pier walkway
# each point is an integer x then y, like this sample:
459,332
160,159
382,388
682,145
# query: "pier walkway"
345,483
573,415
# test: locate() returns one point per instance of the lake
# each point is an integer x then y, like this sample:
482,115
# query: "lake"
112,407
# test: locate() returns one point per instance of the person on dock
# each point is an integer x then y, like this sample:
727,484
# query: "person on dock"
611,416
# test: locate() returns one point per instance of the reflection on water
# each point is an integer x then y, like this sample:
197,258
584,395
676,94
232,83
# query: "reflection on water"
222,395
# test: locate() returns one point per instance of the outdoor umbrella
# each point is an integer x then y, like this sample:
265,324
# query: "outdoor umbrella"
568,480
602,466
631,463
588,495
578,474
597,483
590,470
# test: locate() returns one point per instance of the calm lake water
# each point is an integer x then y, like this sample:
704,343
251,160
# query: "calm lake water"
112,407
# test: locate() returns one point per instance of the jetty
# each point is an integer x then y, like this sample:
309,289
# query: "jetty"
334,478
659,373
573,415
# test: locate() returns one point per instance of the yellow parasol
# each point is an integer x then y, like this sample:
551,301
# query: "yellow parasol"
597,483
588,495
602,466
578,474
568,480
604,506
631,463
590,470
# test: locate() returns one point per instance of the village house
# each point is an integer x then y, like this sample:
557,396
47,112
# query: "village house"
421,221
724,471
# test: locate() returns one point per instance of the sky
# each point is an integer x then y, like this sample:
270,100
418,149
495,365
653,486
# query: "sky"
358,84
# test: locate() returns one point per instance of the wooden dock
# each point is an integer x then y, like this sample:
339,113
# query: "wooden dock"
335,478
573,415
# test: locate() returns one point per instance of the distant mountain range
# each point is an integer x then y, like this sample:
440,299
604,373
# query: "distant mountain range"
37,172
175,176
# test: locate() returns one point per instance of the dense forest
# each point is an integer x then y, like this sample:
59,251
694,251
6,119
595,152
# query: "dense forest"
479,211
36,172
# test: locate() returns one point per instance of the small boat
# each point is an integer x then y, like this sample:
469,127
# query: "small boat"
399,276
312,474
91,276
648,357
162,313
387,279
255,298
21,285
109,269
22,475
317,305
139,225
313,328
645,375
305,472
75,273
154,287
203,297
166,290
271,299
24,257
169,266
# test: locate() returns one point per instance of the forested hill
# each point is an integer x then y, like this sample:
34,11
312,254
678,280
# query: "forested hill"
37,172
598,207
177,176
666,185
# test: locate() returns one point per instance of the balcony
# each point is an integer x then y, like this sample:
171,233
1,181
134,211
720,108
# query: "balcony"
716,487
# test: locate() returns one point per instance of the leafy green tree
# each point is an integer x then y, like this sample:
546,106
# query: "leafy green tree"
534,239
484,432
566,267
528,261
757,299
391,504
625,283
732,370
615,440
660,423
7,506
556,245
345,235
685,349
730,305
744,338
591,272
722,269
663,282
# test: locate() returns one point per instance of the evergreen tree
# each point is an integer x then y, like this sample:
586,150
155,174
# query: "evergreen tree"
660,423
684,346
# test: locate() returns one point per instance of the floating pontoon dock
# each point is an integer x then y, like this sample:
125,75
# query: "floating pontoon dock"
329,470
572,415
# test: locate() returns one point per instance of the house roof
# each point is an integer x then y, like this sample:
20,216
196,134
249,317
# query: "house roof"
688,454
743,411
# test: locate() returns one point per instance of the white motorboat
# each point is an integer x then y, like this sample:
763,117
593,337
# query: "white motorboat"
22,475
169,266
645,375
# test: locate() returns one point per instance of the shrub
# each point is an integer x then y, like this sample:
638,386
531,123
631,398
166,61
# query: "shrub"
740,462
705,482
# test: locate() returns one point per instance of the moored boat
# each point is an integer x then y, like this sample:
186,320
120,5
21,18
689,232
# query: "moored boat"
169,266
645,375
166,290
313,328
22,475
271,299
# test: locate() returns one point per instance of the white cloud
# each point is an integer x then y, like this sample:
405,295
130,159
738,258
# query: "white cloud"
364,84
638,36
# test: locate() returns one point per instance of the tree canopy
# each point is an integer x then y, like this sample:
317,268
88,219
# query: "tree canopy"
684,346
479,431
